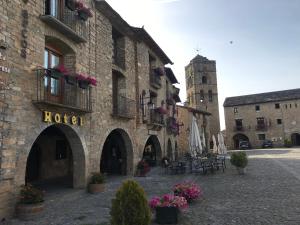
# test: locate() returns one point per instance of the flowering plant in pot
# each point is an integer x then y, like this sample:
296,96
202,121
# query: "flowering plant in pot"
142,168
84,12
82,80
57,71
189,190
240,161
92,80
31,202
97,183
161,110
167,208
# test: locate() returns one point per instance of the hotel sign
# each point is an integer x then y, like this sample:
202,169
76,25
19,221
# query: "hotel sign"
49,117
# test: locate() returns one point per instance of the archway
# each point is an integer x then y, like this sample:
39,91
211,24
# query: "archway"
169,150
237,138
117,154
295,138
56,159
152,151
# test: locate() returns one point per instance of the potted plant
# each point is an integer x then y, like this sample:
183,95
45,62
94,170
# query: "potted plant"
130,206
167,208
70,79
97,183
92,80
71,4
189,190
240,161
142,168
31,202
82,80
83,11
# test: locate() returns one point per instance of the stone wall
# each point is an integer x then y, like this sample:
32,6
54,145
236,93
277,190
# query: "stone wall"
288,113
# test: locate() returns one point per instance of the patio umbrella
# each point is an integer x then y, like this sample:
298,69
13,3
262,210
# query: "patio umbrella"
223,146
194,139
203,139
215,148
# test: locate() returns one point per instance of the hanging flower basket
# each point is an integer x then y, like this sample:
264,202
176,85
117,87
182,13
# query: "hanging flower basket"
70,79
84,12
71,4
92,80
84,84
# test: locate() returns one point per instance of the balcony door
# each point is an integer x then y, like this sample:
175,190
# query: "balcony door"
53,86
54,8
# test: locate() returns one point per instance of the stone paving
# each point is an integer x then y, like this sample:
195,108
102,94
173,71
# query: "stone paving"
269,194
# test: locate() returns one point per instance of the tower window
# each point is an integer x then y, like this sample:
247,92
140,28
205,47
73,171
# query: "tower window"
257,108
235,110
201,95
210,96
279,121
204,80
277,106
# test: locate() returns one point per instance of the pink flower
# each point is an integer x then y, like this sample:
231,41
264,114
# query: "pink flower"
188,190
168,200
92,80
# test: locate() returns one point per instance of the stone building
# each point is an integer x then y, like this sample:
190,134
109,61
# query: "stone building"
202,89
185,115
55,126
267,116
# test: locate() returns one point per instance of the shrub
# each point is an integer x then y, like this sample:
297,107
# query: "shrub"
130,207
287,143
30,195
239,159
97,178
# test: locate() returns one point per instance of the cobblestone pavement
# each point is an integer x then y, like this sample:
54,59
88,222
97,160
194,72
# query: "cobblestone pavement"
269,193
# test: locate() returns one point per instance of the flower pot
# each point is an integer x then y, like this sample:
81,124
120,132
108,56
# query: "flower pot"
71,4
55,74
166,215
240,170
83,84
29,211
96,188
83,15
71,80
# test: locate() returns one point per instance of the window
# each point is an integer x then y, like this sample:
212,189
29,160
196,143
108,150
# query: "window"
51,60
260,121
279,121
61,150
257,108
210,96
204,80
261,137
239,124
201,95
53,7
235,110
286,106
290,106
296,105
277,106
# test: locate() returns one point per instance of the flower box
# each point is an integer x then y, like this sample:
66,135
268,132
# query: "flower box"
167,215
83,11
70,79
84,84
54,73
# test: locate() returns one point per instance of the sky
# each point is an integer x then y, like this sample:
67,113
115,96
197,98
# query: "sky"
256,43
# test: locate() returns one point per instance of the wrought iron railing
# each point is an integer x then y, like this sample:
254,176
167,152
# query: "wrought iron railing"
124,107
68,18
65,95
156,117
261,127
155,79
239,128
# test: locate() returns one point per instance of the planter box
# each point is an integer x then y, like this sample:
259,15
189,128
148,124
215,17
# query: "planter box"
83,84
29,211
54,73
83,15
71,80
96,188
167,215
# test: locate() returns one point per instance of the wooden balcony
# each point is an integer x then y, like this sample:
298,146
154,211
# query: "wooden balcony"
62,94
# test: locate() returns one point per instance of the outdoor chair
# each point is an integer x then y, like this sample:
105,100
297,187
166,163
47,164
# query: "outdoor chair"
220,162
177,167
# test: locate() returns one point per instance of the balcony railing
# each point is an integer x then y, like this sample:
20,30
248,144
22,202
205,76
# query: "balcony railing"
239,128
57,92
156,118
261,127
124,107
172,126
155,80
65,21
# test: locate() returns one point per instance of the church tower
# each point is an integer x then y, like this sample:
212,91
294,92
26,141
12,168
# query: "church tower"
202,89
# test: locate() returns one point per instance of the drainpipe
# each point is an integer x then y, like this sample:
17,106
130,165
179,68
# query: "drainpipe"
137,88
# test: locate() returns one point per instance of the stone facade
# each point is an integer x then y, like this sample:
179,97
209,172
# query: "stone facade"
185,115
202,89
120,57
267,116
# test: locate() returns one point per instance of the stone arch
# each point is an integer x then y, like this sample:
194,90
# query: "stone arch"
117,153
169,149
153,154
237,138
77,148
295,138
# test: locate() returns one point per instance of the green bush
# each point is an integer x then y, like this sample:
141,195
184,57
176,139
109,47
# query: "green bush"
130,207
30,195
97,178
287,143
239,159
